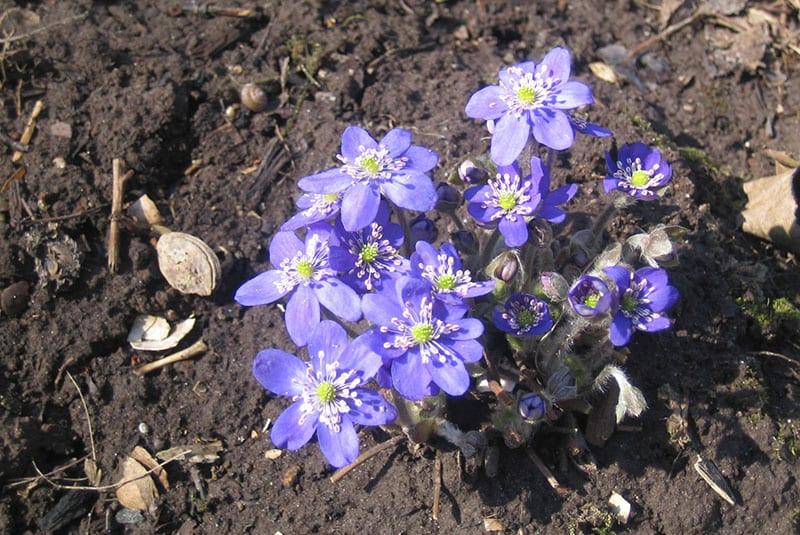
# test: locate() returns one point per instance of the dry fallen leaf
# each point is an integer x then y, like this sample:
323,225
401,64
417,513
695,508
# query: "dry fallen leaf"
153,333
604,71
291,475
92,471
144,457
194,453
140,492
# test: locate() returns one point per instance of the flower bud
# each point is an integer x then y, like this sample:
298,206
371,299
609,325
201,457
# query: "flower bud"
554,287
506,266
422,229
465,241
471,174
448,197
532,406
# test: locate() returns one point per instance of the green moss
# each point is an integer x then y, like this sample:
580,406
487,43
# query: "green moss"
772,314
787,441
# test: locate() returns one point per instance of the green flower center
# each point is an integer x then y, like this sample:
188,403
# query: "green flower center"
305,269
526,318
326,392
507,201
629,303
446,282
591,300
369,253
640,179
526,95
422,333
330,197
370,165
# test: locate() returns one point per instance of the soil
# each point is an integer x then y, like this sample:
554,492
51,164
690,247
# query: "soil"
142,82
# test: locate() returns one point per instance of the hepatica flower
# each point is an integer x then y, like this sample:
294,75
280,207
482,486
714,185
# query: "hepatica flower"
590,296
644,296
443,270
369,255
305,275
530,98
532,406
314,207
428,341
392,167
638,170
523,315
582,126
510,200
328,393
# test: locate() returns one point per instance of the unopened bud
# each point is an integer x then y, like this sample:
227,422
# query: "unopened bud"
448,197
532,406
506,266
471,174
422,229
465,241
554,287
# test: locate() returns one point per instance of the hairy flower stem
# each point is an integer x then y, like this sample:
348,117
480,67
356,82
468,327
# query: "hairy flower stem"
457,220
551,158
557,342
403,220
488,248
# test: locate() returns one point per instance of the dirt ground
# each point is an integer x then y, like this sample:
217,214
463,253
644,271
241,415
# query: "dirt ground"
146,83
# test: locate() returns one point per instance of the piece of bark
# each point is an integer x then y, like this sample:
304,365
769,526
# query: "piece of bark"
772,209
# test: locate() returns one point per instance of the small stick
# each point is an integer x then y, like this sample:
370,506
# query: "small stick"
191,351
666,32
27,134
16,145
26,480
40,29
372,452
117,191
19,174
69,361
88,418
64,217
782,158
437,485
548,475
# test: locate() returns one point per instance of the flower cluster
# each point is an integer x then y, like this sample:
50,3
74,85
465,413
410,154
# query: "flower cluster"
431,314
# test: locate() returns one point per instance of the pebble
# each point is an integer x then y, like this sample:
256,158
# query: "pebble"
143,428
14,299
273,454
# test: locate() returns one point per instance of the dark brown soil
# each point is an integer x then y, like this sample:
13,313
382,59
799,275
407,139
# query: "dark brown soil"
136,82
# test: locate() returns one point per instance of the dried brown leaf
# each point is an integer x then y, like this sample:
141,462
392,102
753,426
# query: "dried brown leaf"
140,492
144,457
93,473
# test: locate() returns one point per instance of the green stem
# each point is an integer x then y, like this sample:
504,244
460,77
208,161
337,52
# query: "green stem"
488,248
456,219
403,220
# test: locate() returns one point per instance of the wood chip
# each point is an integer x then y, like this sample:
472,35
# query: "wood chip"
620,507
711,475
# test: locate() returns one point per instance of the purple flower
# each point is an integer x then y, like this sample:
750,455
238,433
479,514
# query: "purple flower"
327,393
442,270
314,207
394,168
639,171
644,296
429,342
510,200
530,98
581,125
369,255
532,406
590,296
304,273
523,315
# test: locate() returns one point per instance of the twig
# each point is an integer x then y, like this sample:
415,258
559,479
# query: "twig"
784,358
16,145
27,134
666,32
19,174
41,29
88,418
437,485
782,158
191,351
117,191
370,453
64,217
26,480
108,487
548,475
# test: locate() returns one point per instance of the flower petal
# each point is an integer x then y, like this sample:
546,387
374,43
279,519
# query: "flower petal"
610,184
572,94
663,298
329,181
361,357
359,207
486,103
397,141
409,376
412,190
291,430
420,159
329,339
413,291
261,289
451,376
510,136
339,298
279,372
552,128
339,448
500,322
374,409
468,329
426,254
514,232
621,277
284,245
478,289
467,350
341,259
621,330
381,308
557,63
354,140
302,314
656,323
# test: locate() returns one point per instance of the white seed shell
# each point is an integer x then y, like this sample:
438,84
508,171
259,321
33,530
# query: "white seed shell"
188,264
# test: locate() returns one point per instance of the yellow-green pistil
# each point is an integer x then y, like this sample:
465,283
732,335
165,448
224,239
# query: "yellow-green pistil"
640,179
592,299
526,95
369,253
326,392
446,282
330,197
305,269
422,333
507,201
526,318
370,165
629,303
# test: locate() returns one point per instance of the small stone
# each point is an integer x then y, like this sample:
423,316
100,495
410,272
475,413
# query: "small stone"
291,476
128,516
61,129
273,454
143,428
461,33
14,299
59,162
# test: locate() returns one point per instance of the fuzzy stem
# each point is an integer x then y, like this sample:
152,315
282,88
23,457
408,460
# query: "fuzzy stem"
488,248
551,158
457,220
403,220
558,340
